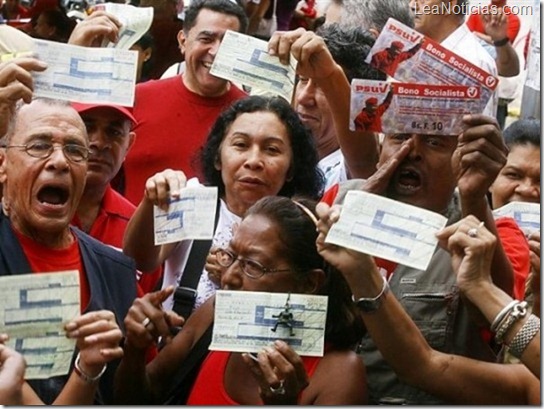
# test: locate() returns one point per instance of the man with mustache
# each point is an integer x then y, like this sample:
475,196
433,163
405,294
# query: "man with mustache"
102,212
424,171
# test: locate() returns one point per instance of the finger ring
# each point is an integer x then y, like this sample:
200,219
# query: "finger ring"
473,232
146,322
279,390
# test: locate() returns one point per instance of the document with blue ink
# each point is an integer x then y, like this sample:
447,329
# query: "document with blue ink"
75,74
248,321
245,59
388,229
34,309
189,217
526,215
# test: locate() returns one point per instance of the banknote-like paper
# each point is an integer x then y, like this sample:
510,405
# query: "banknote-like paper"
421,60
526,215
33,311
244,59
393,108
135,21
191,216
103,75
388,229
247,321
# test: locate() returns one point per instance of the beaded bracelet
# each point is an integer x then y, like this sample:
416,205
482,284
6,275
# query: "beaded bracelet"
85,377
524,336
518,311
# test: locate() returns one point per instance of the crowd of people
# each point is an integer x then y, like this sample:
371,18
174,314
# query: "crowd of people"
80,183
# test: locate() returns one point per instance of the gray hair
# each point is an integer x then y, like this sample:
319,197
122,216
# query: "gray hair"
373,14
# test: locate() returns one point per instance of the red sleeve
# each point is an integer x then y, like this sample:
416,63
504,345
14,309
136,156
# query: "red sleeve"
516,248
513,27
330,194
472,22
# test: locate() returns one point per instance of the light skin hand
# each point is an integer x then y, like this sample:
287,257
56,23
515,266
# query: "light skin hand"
164,185
495,25
15,84
12,374
94,29
97,338
314,59
471,256
149,306
212,267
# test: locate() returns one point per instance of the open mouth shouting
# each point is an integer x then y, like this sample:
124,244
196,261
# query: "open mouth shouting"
53,197
407,181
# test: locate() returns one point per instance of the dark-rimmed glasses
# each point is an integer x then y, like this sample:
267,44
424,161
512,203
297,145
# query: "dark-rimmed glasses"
43,150
251,268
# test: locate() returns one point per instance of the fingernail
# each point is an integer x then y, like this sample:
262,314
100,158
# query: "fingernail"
279,343
70,326
91,338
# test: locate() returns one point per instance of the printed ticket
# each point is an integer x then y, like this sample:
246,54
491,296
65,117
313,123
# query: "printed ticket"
526,215
409,56
135,21
191,216
34,309
388,229
247,321
75,74
394,108
244,59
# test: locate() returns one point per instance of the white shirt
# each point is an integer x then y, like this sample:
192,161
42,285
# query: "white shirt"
333,167
464,43
175,263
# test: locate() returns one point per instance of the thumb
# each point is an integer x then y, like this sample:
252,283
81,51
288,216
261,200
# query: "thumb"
158,297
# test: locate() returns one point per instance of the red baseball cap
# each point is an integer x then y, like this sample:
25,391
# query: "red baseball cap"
397,44
371,101
126,111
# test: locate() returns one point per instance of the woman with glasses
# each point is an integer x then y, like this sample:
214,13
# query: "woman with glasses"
273,250
258,147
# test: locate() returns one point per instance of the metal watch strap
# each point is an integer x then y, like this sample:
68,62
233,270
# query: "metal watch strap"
372,304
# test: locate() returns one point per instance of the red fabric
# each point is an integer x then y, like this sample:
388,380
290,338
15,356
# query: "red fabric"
209,388
475,23
173,124
46,260
516,248
109,227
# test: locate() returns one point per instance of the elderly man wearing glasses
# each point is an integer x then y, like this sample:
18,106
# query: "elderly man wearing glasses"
43,165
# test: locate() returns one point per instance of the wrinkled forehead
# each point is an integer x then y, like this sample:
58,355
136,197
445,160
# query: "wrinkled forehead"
54,121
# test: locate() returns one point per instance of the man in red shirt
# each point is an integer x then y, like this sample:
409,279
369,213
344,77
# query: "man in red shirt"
175,114
102,212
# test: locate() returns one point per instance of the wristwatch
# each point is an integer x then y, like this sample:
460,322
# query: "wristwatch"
372,304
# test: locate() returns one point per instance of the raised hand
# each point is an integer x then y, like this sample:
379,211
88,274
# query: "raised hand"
471,246
15,84
164,185
92,31
479,156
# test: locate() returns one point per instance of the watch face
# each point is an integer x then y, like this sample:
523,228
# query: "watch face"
368,305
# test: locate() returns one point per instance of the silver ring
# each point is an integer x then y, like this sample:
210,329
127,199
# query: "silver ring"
279,390
472,232
146,322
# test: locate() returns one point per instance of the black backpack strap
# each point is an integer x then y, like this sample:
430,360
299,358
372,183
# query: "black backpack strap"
185,294
185,376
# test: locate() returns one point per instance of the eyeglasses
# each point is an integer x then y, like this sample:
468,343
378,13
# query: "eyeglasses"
251,268
43,150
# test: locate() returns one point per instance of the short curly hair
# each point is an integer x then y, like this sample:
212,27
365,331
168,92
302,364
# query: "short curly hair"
307,179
